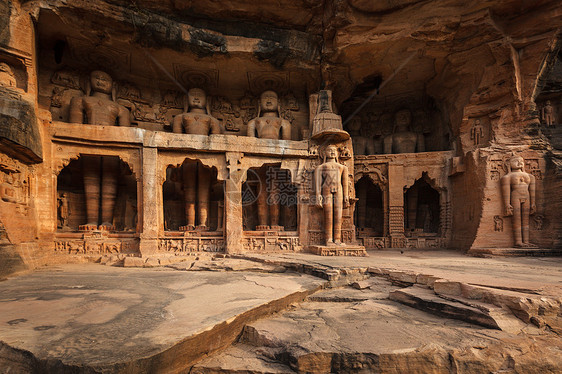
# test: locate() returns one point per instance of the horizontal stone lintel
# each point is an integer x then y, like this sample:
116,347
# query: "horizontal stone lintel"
216,143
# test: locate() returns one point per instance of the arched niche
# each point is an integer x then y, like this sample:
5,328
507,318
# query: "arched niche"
422,207
193,197
71,193
269,199
369,212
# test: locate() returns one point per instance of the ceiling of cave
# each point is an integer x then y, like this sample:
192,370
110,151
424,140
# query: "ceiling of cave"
408,49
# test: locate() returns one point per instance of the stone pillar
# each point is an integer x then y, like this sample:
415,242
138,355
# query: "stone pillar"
396,205
233,223
151,205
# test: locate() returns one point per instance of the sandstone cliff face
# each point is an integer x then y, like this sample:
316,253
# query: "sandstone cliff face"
494,63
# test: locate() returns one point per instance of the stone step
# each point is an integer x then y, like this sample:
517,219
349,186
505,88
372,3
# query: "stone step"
242,359
425,299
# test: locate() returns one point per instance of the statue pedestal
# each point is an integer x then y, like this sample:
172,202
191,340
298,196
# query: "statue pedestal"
338,250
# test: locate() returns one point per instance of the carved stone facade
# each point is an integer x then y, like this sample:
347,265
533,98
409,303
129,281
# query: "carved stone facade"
90,163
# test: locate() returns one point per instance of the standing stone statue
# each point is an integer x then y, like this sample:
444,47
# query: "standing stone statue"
63,210
268,125
99,108
518,189
196,178
548,114
403,140
477,132
332,194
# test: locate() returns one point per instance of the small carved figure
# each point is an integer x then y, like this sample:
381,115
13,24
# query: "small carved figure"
498,224
403,140
63,210
476,132
196,178
548,114
518,188
7,76
539,221
332,194
3,234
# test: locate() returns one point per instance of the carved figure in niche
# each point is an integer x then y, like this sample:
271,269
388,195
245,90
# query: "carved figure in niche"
3,234
539,222
63,210
548,114
518,188
477,132
403,140
7,76
362,145
268,124
196,118
332,194
196,178
498,224
100,108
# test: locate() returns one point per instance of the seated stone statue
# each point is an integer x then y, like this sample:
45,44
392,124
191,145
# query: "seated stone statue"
99,108
268,124
403,140
196,119
363,144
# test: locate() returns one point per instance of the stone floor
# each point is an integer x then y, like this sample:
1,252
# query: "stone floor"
107,317
411,311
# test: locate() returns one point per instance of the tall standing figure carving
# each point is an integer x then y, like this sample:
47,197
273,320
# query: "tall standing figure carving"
332,194
196,178
100,172
518,189
268,125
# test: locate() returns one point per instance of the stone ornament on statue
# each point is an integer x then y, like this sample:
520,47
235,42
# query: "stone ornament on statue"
268,124
196,118
518,190
332,194
100,108
403,140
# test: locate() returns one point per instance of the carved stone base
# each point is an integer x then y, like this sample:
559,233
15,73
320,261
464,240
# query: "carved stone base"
187,228
106,227
262,227
514,252
87,227
338,250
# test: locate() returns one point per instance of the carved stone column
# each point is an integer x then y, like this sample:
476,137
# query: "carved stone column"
151,204
234,226
396,205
